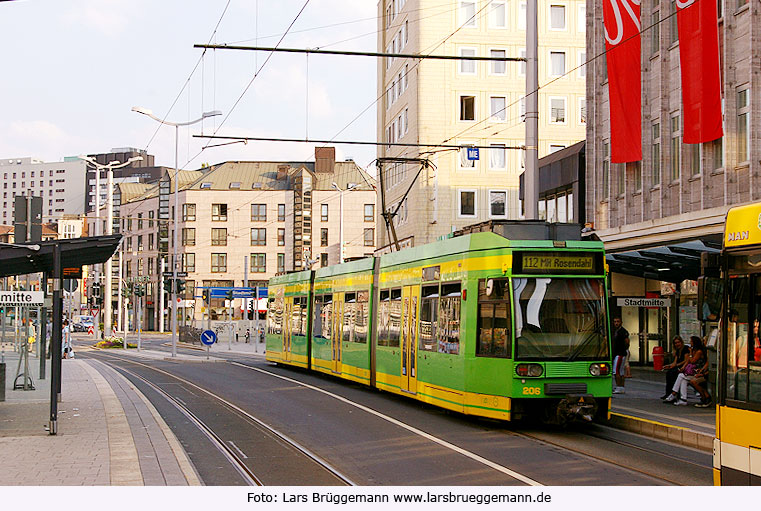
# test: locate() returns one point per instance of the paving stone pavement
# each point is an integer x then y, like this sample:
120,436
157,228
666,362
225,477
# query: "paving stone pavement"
108,434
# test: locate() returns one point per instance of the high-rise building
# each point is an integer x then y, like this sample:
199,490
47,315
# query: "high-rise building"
470,102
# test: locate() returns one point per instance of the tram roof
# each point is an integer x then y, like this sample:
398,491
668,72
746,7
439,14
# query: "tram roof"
17,259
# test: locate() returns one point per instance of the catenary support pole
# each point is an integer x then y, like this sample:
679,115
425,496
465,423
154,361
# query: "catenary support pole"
55,342
531,179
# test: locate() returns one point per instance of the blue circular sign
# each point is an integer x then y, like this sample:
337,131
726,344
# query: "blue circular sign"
208,337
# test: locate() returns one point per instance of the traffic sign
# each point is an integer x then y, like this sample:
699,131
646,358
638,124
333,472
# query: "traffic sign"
473,153
70,285
208,337
182,274
90,330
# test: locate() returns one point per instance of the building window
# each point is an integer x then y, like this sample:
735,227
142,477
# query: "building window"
498,108
656,154
743,120
467,67
323,237
218,263
281,237
605,170
468,14
696,152
582,110
258,263
219,212
497,203
467,108
188,262
498,15
498,67
188,212
465,163
556,147
258,236
582,64
139,267
140,243
467,203
323,212
674,27
258,212
557,110
581,21
637,176
497,157
188,236
655,32
281,212
280,262
522,66
369,237
675,147
150,241
139,221
369,212
323,260
717,150
557,17
522,16
557,63
219,237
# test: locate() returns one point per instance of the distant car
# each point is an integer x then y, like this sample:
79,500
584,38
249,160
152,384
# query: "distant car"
79,327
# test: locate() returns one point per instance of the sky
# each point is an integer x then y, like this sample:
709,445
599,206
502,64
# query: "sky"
72,71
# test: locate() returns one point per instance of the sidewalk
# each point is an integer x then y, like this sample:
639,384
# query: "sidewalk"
641,410
108,433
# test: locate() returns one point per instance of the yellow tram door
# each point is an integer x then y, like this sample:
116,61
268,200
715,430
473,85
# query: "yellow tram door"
338,320
410,299
287,329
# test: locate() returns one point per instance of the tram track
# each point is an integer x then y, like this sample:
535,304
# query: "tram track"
228,448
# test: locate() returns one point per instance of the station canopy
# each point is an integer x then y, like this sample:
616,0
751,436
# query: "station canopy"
672,262
17,259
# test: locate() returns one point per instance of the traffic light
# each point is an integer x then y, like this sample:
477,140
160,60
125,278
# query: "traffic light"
180,286
205,294
229,294
139,290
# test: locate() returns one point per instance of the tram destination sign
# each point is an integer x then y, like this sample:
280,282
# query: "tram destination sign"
22,298
557,262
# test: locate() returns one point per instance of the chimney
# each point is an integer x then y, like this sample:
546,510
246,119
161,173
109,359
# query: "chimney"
324,159
282,172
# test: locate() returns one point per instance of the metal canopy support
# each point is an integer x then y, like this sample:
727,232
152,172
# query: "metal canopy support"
56,340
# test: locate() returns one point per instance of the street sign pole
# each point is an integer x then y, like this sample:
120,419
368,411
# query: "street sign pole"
256,317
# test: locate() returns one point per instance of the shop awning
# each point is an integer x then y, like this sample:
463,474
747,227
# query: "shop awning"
673,262
16,259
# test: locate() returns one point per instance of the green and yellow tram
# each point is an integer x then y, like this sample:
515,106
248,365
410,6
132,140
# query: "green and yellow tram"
735,300
479,324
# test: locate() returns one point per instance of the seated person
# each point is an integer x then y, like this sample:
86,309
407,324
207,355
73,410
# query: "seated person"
679,354
697,359
700,383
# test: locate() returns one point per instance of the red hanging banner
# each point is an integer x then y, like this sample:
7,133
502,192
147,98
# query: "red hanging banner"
622,43
701,72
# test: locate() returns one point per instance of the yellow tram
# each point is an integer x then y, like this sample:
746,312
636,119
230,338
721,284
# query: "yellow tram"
734,297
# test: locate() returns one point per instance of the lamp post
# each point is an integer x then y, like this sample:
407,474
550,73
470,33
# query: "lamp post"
107,305
349,187
176,125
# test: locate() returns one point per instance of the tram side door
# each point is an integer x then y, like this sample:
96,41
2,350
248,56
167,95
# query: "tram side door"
410,299
287,329
338,321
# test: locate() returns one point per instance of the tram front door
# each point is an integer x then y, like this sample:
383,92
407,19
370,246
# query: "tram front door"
338,320
410,299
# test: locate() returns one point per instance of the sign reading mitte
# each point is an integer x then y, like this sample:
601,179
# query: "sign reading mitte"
643,302
28,298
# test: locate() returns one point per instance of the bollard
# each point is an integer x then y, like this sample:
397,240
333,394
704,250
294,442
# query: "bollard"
2,381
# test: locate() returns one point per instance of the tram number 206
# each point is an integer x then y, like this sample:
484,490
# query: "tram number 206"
532,391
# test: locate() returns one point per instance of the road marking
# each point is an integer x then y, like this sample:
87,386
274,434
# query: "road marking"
403,425
238,449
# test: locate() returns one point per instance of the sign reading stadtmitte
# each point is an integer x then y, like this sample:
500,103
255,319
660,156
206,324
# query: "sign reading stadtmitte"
643,302
29,298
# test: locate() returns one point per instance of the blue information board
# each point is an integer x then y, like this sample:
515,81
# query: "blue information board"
473,153
208,337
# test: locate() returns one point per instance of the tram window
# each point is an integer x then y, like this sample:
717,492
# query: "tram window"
296,317
754,345
327,317
317,316
384,305
304,318
429,309
272,323
278,315
350,304
737,339
395,318
360,317
493,319
449,319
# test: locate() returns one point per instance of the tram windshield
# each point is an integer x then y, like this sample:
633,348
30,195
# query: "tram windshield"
559,319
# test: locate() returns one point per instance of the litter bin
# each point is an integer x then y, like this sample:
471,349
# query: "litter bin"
658,358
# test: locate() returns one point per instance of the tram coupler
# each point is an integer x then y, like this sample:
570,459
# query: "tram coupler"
581,407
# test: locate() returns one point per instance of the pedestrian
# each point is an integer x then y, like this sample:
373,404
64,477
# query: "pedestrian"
248,335
679,354
620,352
697,361
66,349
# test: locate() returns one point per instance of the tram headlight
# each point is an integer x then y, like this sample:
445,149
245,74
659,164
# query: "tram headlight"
599,369
532,370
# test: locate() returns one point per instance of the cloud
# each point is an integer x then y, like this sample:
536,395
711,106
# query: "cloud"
39,139
109,17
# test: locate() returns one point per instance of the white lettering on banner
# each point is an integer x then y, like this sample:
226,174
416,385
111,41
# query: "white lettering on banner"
684,4
29,298
643,302
620,21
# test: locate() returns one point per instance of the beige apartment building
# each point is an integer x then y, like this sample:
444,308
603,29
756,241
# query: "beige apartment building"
243,221
471,102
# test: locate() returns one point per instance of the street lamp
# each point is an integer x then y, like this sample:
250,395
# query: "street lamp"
115,164
176,125
349,187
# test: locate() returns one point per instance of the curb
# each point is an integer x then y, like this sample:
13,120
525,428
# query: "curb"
661,431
